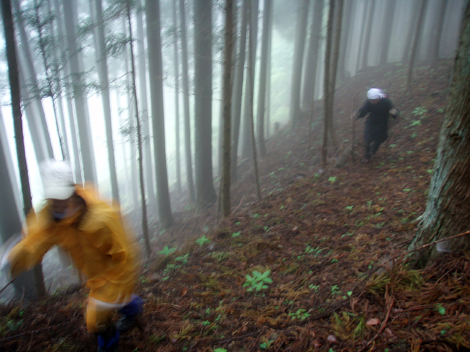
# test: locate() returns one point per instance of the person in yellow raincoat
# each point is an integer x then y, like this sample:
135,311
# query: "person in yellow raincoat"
93,235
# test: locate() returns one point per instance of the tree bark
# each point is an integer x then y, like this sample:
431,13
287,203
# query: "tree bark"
387,30
152,8
448,203
299,47
205,193
18,125
187,115
368,35
238,91
414,47
263,78
177,101
101,62
227,89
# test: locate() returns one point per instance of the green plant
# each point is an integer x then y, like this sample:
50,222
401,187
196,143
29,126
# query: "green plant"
220,350
335,290
258,281
203,240
236,234
301,314
314,287
415,123
183,259
419,111
166,251
350,207
440,309
332,179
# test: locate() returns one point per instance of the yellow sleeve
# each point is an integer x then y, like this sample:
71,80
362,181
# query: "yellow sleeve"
31,249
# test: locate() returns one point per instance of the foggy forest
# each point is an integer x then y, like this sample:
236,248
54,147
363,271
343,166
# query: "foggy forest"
227,135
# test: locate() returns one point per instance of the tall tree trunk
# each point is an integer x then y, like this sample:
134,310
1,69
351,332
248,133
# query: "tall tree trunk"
370,20
10,221
237,93
362,34
18,125
346,34
31,77
144,113
437,31
448,202
152,8
177,101
414,47
81,110
387,30
101,62
308,87
227,88
187,118
205,193
263,77
415,6
300,39
268,83
145,228
246,126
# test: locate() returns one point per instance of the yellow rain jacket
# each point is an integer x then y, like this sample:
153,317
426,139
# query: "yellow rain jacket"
96,241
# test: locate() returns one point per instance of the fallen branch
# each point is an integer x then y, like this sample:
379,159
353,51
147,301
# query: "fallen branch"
382,327
8,284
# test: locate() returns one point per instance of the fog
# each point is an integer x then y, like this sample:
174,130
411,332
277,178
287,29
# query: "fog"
362,45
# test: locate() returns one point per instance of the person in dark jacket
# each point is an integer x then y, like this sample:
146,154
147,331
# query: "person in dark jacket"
379,108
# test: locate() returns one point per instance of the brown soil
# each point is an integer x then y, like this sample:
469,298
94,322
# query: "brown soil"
331,242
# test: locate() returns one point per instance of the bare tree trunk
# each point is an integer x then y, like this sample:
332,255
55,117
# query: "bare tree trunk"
227,88
448,202
437,31
18,125
187,119
144,114
238,91
177,101
387,30
368,35
414,47
100,57
205,193
299,47
145,229
263,77
83,122
152,8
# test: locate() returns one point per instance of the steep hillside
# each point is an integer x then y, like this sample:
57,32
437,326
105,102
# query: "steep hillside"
316,265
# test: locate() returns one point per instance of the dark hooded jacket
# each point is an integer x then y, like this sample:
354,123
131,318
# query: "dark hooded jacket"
377,121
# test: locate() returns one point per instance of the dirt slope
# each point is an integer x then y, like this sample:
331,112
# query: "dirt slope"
323,251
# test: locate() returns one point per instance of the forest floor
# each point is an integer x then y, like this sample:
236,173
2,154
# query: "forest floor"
316,265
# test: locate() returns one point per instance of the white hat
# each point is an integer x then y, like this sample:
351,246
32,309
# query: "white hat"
57,179
375,93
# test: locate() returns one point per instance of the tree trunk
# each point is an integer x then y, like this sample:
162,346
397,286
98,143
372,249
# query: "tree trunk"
300,39
410,31
448,203
365,53
18,125
238,91
414,47
100,57
387,30
145,228
437,31
144,114
177,101
152,8
187,117
263,77
246,126
81,110
205,193
227,89
312,55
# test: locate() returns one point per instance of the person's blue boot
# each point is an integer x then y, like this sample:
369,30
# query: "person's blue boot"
130,313
108,340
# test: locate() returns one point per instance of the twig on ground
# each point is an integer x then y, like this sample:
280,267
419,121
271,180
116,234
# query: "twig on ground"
8,284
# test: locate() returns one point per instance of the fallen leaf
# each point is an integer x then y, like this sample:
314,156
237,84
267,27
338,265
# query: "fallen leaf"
373,321
332,338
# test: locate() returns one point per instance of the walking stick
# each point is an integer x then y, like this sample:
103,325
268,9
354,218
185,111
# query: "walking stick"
354,126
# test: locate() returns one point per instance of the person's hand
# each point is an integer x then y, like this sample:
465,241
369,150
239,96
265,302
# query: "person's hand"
394,112
353,116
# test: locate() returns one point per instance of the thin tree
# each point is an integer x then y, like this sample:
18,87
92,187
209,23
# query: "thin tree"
152,8
417,37
18,125
205,193
437,31
145,229
187,117
237,92
227,88
448,204
415,6
327,81
299,47
251,82
365,53
387,30
260,130
177,100
101,62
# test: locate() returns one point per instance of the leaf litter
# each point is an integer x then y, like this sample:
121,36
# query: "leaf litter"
317,265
